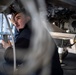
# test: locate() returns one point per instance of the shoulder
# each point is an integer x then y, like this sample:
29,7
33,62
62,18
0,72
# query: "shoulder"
26,33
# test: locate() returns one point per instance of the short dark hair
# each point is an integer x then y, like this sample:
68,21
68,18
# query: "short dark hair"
17,7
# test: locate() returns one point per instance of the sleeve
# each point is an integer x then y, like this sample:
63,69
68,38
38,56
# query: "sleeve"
21,46
8,55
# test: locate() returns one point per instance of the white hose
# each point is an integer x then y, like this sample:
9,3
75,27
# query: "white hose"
13,45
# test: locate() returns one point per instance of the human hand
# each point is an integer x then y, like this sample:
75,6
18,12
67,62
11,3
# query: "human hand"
6,44
12,21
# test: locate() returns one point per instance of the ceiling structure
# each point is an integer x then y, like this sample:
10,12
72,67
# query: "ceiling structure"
61,9
4,4
71,4
57,9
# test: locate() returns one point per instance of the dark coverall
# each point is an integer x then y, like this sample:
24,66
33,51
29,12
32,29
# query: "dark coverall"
22,42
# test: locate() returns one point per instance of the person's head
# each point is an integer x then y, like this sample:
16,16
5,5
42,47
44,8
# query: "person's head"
20,20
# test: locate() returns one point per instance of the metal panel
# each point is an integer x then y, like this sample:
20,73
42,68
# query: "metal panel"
4,4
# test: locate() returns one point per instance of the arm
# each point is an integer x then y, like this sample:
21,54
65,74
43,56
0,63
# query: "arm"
21,46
